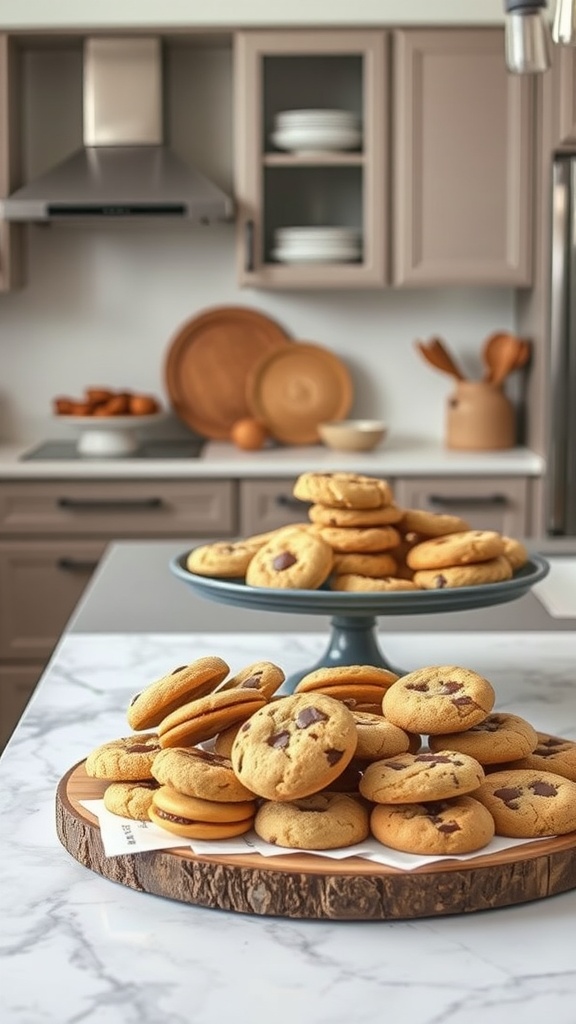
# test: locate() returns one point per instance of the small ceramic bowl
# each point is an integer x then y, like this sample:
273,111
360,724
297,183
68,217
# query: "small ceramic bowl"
352,435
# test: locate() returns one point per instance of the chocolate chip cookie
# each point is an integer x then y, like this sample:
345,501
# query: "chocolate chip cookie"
439,699
295,746
441,827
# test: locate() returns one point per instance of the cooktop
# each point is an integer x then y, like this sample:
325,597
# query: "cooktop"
187,448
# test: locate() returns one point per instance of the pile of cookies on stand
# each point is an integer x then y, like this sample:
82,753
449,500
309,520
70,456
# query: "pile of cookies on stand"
421,762
359,539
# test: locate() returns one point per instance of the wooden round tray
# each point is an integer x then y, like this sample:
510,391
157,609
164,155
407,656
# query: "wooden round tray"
307,886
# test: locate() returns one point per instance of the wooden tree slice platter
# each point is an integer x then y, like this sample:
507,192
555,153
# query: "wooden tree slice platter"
307,886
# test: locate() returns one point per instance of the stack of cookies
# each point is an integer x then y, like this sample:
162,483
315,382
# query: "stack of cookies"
422,762
359,539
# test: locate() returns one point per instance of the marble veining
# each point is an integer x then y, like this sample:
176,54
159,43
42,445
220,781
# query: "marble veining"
77,948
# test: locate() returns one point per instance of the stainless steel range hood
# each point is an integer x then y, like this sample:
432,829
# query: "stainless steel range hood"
124,169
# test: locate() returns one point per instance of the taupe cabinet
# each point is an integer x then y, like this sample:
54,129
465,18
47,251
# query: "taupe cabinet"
438,108
52,535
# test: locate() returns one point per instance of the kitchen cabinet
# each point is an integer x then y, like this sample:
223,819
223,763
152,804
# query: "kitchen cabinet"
564,95
52,535
277,71
462,159
487,503
11,235
454,126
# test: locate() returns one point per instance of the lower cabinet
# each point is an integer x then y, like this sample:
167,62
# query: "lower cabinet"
487,503
52,536
17,683
267,504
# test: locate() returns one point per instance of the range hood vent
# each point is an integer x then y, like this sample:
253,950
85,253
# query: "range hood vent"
124,170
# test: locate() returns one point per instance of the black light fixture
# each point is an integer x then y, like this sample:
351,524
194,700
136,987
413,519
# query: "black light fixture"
564,27
528,38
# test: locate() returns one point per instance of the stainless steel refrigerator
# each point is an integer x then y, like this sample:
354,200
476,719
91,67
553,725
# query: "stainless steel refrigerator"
561,476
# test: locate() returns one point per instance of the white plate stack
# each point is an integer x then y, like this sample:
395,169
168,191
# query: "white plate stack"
309,131
317,245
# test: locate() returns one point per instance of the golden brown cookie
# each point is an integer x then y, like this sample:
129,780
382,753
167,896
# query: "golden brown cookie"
431,524
325,515
375,564
130,799
444,827
515,552
378,738
421,777
297,560
498,738
356,539
160,698
527,803
324,821
202,719
551,754
200,773
263,676
495,570
439,699
124,760
386,584
192,818
464,548
351,676
221,559
343,490
295,746
223,741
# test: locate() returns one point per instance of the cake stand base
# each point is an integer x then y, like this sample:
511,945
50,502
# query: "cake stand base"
352,642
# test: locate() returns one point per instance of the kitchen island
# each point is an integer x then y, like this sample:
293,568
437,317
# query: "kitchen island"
77,947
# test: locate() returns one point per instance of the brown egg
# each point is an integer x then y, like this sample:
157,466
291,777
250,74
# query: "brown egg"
248,434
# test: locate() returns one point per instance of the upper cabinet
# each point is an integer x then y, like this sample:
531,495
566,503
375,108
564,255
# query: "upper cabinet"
311,176
11,235
463,159
436,107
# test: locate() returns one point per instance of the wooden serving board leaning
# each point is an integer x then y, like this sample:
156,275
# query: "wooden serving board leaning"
308,886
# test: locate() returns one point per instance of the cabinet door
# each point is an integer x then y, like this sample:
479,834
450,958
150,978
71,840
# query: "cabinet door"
463,157
114,508
267,504
11,235
276,188
40,584
17,683
487,503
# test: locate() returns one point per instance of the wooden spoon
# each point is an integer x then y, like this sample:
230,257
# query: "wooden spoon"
506,358
436,353
491,351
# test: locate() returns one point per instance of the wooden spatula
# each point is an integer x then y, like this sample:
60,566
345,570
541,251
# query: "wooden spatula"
437,355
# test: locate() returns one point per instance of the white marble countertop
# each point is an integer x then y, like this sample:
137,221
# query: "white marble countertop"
396,457
76,947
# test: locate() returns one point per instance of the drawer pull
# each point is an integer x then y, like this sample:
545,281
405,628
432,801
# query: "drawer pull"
470,501
249,254
285,501
114,504
77,565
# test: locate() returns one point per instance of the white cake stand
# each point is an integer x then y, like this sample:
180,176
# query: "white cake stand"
106,437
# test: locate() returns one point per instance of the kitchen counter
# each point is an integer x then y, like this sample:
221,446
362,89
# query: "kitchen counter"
397,457
77,947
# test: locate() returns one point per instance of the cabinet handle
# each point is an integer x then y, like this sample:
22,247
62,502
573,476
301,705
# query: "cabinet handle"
76,565
112,503
285,501
471,500
249,237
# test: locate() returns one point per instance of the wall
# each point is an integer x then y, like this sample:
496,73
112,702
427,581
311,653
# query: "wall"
92,13
103,302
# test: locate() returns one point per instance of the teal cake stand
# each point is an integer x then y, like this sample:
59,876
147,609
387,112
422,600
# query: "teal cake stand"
353,616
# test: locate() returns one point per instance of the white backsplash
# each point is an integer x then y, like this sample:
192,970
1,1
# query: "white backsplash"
102,304
103,301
